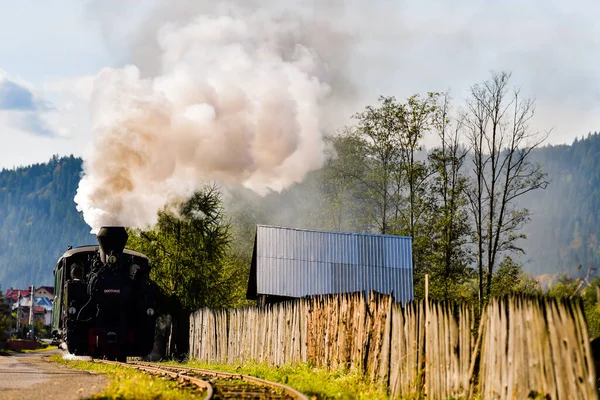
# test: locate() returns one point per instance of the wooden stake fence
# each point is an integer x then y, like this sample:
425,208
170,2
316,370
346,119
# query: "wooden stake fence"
524,346
535,347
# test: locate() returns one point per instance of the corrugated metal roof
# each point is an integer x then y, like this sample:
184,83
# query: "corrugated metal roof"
299,262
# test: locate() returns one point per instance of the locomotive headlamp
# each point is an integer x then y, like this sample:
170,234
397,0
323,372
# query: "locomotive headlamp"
71,310
150,312
112,259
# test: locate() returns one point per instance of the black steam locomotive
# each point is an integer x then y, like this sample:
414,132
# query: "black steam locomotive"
104,300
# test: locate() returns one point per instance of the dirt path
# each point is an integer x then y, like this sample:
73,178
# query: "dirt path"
31,376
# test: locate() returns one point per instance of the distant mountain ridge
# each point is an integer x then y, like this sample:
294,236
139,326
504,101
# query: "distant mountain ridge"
38,220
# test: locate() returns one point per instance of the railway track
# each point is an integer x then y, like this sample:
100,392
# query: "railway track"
218,385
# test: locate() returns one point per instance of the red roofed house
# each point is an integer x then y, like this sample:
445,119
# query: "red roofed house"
44,296
12,295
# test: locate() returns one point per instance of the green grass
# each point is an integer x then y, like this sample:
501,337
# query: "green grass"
317,383
47,348
127,383
40,350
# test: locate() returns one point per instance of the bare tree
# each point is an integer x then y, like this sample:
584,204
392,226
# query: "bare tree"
501,143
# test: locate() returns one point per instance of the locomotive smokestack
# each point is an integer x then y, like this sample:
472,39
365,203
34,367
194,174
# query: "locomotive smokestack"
111,239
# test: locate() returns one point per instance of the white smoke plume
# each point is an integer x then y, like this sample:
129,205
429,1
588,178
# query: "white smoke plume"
240,94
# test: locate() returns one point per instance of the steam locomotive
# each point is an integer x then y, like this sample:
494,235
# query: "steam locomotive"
104,300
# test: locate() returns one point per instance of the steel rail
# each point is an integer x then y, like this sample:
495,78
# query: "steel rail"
156,369
219,374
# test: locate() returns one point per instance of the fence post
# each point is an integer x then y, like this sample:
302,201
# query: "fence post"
427,334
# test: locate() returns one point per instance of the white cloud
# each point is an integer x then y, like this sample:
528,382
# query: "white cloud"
38,122
70,97
57,109
19,148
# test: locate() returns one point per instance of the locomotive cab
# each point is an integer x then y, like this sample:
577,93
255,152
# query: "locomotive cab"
105,301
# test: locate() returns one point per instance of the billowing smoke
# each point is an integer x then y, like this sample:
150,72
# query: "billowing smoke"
239,94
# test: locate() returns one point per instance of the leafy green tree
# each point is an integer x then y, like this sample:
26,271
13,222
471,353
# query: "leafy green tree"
581,289
449,262
419,118
412,184
591,306
393,176
510,279
566,287
381,179
343,183
5,315
379,132
188,249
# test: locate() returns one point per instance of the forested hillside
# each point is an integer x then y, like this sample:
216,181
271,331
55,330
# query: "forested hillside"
564,232
38,220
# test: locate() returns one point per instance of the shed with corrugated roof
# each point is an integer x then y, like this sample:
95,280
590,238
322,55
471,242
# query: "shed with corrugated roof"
295,263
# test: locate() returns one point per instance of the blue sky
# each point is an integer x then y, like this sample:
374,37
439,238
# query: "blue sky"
551,47
43,39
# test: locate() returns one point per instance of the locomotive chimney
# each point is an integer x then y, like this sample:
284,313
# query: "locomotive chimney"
111,239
